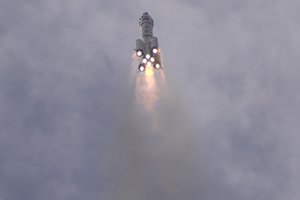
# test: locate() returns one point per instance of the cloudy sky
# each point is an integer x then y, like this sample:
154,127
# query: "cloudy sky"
226,118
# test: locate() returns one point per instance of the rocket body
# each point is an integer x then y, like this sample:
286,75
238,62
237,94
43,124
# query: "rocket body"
147,47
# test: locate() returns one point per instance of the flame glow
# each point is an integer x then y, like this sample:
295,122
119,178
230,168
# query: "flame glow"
146,88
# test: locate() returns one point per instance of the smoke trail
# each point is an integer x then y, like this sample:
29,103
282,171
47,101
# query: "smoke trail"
154,144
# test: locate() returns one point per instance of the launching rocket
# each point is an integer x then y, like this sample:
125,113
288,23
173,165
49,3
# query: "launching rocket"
147,48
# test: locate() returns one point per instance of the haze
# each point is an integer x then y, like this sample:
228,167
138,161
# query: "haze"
222,121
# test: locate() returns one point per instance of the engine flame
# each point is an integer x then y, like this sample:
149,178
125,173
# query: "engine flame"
147,88
149,70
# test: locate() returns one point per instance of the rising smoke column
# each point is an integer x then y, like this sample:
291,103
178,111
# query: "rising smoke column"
155,145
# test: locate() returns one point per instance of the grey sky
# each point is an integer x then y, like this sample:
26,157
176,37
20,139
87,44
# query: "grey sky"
69,128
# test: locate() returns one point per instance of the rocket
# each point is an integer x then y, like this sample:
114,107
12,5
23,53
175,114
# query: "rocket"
147,49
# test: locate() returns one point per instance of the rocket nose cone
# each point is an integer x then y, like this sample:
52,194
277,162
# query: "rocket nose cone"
146,18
